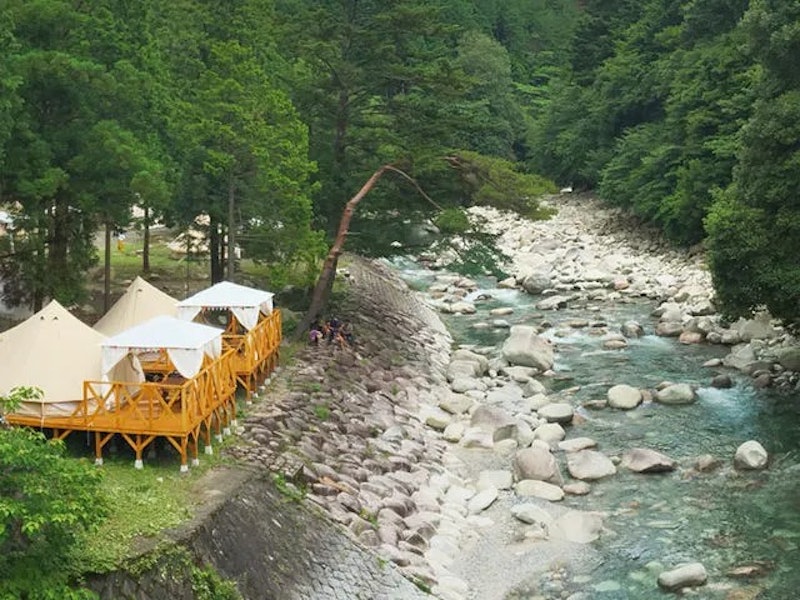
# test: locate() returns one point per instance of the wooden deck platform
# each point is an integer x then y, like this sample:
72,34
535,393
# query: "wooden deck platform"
183,411
180,410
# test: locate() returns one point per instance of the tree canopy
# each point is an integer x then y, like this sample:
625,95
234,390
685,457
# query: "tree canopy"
267,115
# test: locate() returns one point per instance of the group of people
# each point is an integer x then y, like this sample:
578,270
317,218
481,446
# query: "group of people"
334,331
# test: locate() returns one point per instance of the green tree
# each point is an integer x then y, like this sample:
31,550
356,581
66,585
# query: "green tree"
46,502
76,96
754,228
228,143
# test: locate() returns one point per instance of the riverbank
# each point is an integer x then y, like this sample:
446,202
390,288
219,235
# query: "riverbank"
591,253
514,428
443,463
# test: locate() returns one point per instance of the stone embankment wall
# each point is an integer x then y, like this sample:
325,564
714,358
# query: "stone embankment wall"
272,546
340,428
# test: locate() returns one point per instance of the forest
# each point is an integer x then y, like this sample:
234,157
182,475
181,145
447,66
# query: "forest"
268,115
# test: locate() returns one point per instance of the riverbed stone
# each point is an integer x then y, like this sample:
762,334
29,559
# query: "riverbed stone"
742,358
468,355
789,358
500,479
539,489
632,329
495,421
751,456
437,419
536,282
464,308
533,387
539,463
549,432
526,347
531,514
506,395
589,465
454,432
463,368
518,373
615,344
645,460
706,463
557,412
577,444
476,437
554,302
461,385
691,337
505,448
507,283
686,575
482,500
757,328
722,381
577,526
577,488
676,393
669,328
762,380
535,402
624,397
456,404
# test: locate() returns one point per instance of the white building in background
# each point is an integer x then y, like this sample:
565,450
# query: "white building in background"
6,222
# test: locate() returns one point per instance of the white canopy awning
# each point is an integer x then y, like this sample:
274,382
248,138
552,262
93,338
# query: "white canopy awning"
185,343
244,302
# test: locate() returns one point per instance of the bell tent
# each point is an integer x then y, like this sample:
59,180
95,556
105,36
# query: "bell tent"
54,351
140,302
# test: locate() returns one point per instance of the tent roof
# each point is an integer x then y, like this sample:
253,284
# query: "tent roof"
227,294
52,350
164,333
140,302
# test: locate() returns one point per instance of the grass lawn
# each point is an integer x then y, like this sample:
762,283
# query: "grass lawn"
142,504
192,272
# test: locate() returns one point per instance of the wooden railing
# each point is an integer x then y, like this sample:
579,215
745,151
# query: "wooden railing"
156,408
182,412
257,351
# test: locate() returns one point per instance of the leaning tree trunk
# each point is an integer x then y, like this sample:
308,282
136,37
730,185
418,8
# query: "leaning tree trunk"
322,290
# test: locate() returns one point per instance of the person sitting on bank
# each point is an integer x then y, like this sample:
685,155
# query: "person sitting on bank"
315,333
347,332
333,328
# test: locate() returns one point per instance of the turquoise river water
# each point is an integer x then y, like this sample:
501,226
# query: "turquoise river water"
724,519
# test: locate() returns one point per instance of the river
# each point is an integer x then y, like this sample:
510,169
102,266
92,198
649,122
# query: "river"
724,519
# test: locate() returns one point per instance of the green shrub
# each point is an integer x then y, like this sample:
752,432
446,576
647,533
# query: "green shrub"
452,221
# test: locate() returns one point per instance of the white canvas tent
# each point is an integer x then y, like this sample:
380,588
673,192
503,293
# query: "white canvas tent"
185,343
140,302
244,302
54,351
